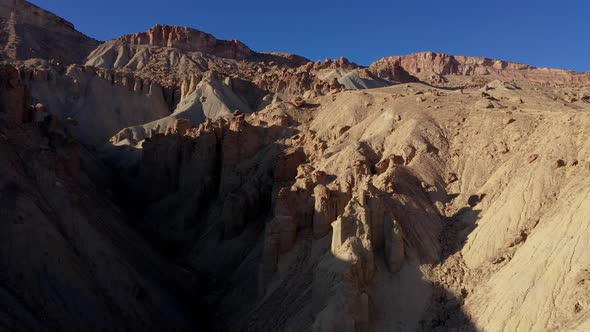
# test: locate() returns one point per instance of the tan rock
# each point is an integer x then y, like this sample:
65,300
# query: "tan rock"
181,126
324,212
452,177
297,102
189,40
484,103
394,245
288,167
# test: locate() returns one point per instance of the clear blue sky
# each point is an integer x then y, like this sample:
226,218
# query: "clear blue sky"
541,33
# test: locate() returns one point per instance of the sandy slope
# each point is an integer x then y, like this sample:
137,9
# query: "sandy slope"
490,192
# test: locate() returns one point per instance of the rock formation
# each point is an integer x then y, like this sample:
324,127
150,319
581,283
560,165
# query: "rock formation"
348,224
168,180
445,64
68,260
189,40
101,101
28,31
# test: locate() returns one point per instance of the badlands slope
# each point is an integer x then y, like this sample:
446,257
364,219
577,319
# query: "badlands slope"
168,180
400,208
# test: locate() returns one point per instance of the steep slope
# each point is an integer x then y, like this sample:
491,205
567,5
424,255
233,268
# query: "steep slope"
169,54
68,261
99,101
27,31
402,208
212,97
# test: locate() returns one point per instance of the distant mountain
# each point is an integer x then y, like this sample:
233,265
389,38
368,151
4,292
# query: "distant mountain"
27,31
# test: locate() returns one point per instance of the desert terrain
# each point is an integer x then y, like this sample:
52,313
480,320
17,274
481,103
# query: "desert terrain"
171,181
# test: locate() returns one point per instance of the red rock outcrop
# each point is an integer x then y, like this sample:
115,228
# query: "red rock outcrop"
445,64
297,81
291,60
189,40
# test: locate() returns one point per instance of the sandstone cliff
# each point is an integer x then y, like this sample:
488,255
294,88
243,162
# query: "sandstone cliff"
189,40
444,64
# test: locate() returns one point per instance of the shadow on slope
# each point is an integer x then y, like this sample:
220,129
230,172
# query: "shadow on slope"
316,292
457,229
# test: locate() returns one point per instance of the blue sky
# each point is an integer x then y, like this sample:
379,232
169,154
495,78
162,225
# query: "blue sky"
541,33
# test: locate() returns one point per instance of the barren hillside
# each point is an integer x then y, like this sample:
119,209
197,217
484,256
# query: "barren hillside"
171,181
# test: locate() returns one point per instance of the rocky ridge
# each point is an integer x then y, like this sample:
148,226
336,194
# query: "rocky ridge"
429,63
27,31
189,40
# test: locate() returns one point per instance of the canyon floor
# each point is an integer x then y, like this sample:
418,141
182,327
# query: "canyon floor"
170,181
